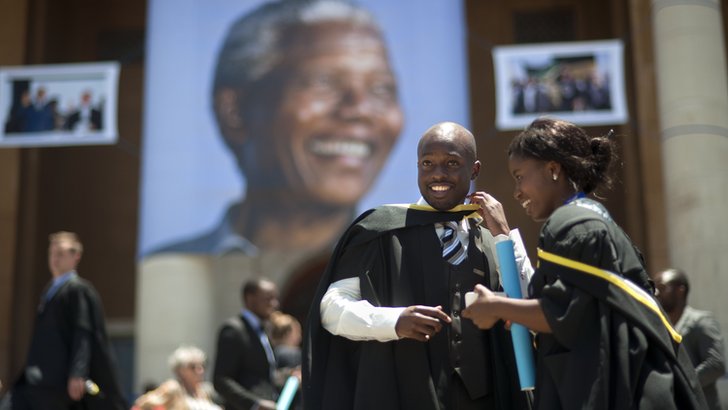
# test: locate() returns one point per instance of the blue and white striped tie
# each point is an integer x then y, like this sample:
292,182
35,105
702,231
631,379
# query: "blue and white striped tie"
452,250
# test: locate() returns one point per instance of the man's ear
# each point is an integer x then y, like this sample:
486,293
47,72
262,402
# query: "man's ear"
226,103
476,171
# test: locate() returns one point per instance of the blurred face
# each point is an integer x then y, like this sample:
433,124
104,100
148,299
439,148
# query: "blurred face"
296,335
264,301
668,293
61,258
535,188
444,170
336,118
191,374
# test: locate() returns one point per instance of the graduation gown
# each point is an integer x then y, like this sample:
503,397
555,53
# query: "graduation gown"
396,254
611,345
70,340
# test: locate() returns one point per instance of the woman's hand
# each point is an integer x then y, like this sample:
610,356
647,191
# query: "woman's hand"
492,212
480,312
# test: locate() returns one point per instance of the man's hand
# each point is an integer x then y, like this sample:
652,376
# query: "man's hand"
76,388
492,212
421,322
266,405
479,312
296,372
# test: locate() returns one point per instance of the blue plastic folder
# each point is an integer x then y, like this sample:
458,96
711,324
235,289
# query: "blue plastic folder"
519,333
287,394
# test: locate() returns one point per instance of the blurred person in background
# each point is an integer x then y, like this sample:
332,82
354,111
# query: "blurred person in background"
245,366
286,336
188,390
70,358
700,331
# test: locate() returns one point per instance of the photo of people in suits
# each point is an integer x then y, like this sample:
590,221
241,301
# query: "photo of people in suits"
58,104
579,81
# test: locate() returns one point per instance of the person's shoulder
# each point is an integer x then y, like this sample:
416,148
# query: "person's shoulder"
204,243
235,323
698,315
80,284
220,239
586,215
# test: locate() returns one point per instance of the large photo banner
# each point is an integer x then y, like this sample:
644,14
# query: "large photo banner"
269,126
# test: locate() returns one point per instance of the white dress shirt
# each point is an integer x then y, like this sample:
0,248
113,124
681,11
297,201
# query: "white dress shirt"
344,313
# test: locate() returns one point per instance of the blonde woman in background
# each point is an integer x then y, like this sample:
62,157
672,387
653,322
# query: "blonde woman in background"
285,336
188,390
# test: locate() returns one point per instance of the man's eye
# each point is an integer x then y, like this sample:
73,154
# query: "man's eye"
318,81
384,90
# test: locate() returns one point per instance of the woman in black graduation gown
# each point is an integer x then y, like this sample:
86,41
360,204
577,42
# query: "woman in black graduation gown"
602,340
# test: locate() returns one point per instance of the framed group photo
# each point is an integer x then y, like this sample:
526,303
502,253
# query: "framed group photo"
62,104
581,82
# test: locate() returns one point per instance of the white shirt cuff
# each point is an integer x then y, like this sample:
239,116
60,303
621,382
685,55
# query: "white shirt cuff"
344,313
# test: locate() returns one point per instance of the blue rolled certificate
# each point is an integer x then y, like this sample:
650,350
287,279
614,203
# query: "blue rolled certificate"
519,333
288,393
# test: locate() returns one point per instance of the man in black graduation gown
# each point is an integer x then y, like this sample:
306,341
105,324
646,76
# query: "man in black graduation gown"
69,363
384,329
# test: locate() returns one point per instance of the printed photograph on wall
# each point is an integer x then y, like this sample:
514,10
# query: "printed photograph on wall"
581,82
62,104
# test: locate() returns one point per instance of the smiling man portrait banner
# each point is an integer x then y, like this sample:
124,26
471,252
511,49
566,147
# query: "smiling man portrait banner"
268,127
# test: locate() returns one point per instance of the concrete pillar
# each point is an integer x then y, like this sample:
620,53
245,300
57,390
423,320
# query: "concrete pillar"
693,104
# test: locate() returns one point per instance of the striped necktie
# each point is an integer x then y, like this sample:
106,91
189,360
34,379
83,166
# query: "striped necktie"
452,250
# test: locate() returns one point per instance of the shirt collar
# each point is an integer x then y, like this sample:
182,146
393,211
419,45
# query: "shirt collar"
60,280
422,201
463,223
252,318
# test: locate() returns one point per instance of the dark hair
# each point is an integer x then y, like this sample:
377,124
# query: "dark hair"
252,45
586,160
250,287
679,278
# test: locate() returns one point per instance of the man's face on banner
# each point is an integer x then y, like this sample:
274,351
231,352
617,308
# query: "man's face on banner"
335,116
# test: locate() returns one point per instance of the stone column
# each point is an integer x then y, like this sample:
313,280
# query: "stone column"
693,107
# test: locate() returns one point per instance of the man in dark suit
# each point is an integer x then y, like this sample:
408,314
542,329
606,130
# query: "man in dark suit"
69,360
245,364
41,113
702,338
86,117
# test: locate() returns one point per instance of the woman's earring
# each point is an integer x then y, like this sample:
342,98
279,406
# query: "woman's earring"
555,177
